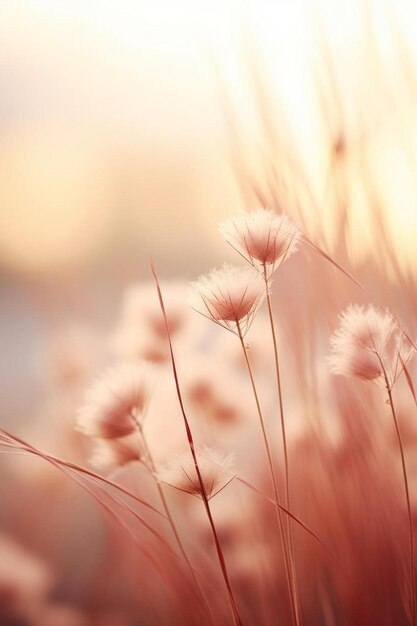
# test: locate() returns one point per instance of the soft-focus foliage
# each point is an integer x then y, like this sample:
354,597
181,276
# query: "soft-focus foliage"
110,158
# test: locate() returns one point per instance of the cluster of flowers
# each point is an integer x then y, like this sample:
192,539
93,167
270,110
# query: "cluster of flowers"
116,405
368,344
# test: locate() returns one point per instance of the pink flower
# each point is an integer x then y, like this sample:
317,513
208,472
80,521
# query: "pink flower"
214,390
140,332
215,468
229,296
263,237
366,343
110,454
116,401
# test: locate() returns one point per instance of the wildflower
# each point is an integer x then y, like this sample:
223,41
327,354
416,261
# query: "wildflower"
110,454
368,344
213,389
229,296
117,402
262,237
140,332
215,469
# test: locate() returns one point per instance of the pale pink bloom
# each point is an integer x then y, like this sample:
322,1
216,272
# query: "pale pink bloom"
263,237
214,388
367,327
366,343
141,333
116,401
229,296
359,362
215,469
110,454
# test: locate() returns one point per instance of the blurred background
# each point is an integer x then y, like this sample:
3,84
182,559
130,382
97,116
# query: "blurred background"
130,128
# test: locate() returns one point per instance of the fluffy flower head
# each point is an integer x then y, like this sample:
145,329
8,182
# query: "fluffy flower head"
366,343
111,454
229,296
215,468
115,401
263,237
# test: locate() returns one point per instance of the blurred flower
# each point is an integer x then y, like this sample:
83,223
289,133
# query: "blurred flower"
262,237
215,469
229,296
110,454
116,402
368,344
141,333
210,384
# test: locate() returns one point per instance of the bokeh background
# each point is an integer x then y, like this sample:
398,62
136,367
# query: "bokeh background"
123,125
130,128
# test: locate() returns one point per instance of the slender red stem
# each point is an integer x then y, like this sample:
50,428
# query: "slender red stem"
284,441
172,523
311,532
235,613
81,470
273,479
407,497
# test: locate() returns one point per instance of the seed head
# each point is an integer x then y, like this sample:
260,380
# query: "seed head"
115,401
263,237
110,454
366,343
215,469
229,296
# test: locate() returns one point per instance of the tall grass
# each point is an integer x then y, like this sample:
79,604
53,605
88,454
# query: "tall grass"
315,523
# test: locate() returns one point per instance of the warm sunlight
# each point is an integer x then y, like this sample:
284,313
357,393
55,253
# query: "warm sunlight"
208,296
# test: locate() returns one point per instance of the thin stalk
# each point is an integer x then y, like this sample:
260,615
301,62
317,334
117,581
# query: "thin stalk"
283,433
78,468
236,617
407,497
279,389
311,532
294,607
235,613
72,474
65,467
171,521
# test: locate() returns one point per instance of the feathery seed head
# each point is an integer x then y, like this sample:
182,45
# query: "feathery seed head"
263,237
215,469
229,296
110,454
115,401
366,343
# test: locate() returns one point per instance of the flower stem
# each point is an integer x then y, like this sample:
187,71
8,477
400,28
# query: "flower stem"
235,613
171,521
273,480
284,437
407,497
